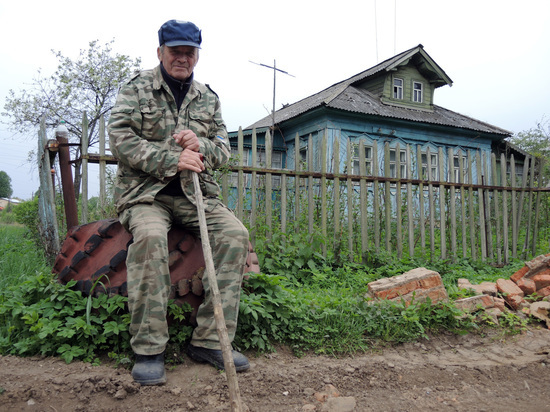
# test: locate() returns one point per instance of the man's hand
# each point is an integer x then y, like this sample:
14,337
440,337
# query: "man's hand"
190,160
187,139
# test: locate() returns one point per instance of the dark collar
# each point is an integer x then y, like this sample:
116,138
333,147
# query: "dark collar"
178,88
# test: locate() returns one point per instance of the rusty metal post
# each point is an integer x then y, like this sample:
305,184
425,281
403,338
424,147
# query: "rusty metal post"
52,171
69,199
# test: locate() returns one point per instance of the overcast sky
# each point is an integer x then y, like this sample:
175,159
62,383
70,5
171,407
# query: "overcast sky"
497,52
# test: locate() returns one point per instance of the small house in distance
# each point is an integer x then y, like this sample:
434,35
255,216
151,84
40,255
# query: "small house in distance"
390,104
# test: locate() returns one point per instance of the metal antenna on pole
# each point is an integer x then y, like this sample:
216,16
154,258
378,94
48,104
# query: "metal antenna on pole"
275,70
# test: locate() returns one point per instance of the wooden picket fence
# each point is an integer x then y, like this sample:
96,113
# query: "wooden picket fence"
402,214
361,214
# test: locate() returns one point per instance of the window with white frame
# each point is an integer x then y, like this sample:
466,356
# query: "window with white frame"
357,159
418,92
398,161
397,88
429,163
456,169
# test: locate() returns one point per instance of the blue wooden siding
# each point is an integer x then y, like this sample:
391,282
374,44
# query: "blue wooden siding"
355,128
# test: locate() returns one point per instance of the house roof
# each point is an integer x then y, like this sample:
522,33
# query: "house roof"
347,96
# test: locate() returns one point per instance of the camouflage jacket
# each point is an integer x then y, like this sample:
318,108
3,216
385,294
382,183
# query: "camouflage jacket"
141,126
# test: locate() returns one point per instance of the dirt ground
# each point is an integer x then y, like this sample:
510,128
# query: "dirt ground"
443,373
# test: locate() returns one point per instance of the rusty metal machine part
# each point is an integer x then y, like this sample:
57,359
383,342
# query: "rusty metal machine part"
94,255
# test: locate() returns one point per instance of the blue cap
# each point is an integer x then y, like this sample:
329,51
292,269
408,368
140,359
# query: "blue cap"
179,33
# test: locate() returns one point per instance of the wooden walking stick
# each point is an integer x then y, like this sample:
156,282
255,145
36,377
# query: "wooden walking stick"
229,365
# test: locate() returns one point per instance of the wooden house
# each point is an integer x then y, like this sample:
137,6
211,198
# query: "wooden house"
392,102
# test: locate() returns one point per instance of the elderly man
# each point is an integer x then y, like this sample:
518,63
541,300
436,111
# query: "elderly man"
165,126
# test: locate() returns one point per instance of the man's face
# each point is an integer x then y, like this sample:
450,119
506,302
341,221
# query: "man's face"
178,61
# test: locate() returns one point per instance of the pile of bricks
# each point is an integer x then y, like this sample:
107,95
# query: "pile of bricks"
417,284
534,277
533,280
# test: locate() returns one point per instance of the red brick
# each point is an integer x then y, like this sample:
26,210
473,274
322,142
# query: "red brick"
430,282
542,279
500,303
544,292
519,274
527,286
513,295
398,290
463,283
514,301
537,264
488,288
475,302
508,287
484,288
436,294
419,282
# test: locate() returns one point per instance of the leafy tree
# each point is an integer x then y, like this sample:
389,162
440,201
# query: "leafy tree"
5,185
536,141
86,86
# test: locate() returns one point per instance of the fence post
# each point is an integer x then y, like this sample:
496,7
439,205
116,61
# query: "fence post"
537,208
84,150
487,207
324,143
461,179
102,163
46,200
421,218
311,169
452,201
336,191
376,196
505,239
442,214
268,184
253,191
349,185
387,196
530,207
363,217
514,206
398,204
431,204
497,208
410,207
481,208
297,181
471,212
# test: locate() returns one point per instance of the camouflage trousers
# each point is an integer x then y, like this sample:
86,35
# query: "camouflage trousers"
148,276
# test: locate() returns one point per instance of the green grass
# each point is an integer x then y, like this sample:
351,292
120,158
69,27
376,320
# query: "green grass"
301,299
38,315
315,303
19,256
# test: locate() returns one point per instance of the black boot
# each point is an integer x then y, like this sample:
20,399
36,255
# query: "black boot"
215,357
149,369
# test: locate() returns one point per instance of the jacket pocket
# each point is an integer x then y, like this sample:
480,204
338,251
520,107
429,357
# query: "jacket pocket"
209,187
200,123
153,122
